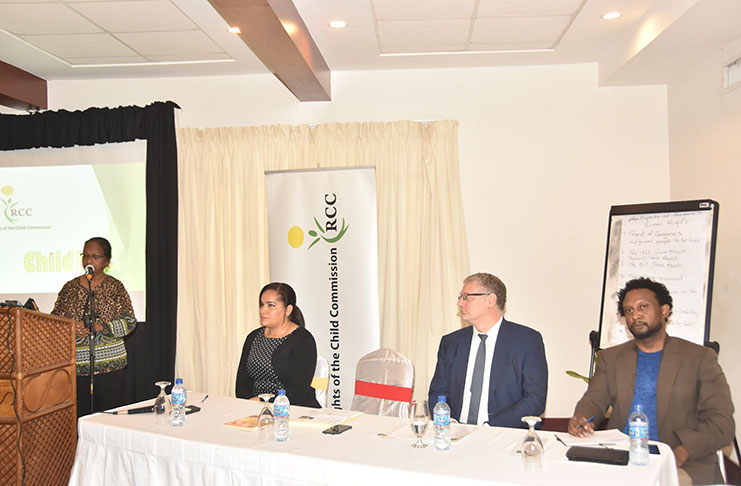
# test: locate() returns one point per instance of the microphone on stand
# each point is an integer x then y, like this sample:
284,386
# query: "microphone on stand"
89,272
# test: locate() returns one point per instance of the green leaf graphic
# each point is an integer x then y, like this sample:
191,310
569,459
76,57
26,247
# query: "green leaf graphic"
312,244
318,225
8,207
7,216
342,232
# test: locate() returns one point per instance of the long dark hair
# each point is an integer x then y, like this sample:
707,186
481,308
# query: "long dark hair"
286,295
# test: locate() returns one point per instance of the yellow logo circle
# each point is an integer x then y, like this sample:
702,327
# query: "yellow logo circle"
7,190
295,237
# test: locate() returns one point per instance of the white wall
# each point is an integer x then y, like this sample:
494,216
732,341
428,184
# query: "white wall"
704,135
544,153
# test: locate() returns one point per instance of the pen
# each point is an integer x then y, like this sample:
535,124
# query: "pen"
559,439
204,398
589,420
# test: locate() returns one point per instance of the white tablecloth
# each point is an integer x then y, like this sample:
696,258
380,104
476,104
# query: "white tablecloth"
132,450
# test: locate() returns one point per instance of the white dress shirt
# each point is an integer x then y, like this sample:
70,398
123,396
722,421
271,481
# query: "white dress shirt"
491,342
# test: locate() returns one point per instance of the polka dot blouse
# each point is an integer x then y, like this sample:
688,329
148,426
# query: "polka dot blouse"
260,366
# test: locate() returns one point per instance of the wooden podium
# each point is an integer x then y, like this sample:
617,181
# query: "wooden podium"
39,362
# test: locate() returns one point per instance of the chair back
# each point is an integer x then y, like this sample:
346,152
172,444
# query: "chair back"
384,382
320,382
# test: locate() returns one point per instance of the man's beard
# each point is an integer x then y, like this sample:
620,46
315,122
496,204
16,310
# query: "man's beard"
647,332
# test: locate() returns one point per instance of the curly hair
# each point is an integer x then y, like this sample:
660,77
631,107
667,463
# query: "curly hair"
658,288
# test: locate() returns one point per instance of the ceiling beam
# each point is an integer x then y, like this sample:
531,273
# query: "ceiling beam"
21,90
275,32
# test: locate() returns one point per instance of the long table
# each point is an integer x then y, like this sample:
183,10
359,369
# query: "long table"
132,450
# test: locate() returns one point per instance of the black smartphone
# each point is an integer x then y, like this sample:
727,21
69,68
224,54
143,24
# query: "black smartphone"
653,449
336,429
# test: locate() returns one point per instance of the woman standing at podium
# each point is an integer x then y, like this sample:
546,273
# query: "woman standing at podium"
113,318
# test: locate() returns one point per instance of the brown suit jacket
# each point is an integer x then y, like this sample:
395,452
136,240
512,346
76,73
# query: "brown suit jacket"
693,400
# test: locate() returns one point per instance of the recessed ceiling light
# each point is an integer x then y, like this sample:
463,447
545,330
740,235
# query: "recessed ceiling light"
612,15
338,24
234,30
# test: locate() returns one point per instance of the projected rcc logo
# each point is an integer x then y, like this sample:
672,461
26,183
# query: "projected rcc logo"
12,211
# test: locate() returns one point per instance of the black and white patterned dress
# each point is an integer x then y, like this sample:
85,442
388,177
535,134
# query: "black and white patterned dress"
268,364
260,366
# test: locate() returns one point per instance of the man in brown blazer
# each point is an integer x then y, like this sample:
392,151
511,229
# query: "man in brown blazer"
691,407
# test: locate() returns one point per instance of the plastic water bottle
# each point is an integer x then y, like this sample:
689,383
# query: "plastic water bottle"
282,413
638,432
177,414
441,414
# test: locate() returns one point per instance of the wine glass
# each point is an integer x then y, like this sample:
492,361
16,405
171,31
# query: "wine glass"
532,447
162,405
265,419
418,419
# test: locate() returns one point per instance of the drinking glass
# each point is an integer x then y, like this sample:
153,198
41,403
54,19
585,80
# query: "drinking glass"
532,447
419,417
265,419
162,405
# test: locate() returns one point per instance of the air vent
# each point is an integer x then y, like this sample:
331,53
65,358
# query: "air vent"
732,74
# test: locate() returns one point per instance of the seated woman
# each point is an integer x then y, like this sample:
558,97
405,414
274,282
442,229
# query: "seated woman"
112,320
281,353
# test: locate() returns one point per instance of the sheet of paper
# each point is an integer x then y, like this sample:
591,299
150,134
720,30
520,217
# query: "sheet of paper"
457,432
325,418
599,437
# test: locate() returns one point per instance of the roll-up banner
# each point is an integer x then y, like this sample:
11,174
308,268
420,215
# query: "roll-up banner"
323,241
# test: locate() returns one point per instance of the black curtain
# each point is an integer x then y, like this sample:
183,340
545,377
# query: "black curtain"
151,346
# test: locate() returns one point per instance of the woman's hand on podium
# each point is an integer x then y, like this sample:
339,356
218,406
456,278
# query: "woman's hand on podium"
80,329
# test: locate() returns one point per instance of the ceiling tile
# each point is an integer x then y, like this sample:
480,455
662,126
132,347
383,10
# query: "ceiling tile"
80,45
422,49
170,43
135,16
188,57
512,46
31,1
527,8
43,18
518,29
421,32
422,9
83,61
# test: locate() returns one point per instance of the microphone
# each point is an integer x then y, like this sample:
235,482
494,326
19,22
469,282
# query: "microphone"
89,272
130,411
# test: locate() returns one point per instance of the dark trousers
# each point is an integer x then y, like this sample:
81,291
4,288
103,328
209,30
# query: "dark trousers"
109,392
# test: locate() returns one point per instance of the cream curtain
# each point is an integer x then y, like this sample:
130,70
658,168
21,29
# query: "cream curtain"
223,252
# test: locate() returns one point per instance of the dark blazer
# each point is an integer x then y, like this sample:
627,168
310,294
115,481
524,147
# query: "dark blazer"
693,400
294,362
518,383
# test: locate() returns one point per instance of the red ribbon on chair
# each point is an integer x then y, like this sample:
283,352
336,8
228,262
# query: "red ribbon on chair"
379,390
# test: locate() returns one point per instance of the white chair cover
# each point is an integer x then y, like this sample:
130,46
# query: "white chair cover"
320,383
384,381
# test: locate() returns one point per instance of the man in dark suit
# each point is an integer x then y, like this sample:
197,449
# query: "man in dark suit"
680,385
493,371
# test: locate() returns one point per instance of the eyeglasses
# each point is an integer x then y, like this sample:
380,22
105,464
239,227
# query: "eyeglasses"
465,296
94,257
